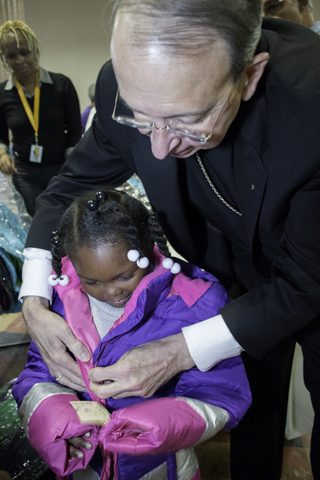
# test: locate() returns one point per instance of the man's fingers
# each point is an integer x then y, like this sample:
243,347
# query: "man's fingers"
69,369
107,390
142,370
115,391
67,339
78,349
77,384
100,374
115,388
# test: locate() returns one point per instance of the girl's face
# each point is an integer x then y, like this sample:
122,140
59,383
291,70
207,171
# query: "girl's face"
106,273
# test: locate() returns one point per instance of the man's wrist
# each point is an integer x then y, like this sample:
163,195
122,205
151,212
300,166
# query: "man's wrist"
31,302
177,346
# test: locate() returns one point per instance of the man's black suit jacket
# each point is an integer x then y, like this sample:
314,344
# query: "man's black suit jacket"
267,167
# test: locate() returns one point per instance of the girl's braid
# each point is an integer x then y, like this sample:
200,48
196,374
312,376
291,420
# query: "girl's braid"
57,253
157,235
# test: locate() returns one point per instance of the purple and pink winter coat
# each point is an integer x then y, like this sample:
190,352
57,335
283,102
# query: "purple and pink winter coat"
145,438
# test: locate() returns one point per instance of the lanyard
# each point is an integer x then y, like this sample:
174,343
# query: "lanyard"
34,118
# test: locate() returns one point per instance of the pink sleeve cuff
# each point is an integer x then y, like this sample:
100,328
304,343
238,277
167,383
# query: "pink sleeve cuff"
52,423
153,426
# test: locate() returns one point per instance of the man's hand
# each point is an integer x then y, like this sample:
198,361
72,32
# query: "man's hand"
53,336
7,165
142,370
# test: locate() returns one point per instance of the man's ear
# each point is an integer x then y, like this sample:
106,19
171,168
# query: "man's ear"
253,73
302,4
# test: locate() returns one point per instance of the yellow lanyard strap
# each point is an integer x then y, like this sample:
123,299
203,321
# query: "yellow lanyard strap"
34,118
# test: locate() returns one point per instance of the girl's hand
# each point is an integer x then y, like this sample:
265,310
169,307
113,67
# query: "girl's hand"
76,443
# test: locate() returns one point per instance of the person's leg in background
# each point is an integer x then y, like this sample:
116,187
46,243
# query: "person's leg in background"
27,190
31,180
309,339
257,442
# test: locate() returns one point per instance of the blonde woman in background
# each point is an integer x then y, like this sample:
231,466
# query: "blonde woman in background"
40,108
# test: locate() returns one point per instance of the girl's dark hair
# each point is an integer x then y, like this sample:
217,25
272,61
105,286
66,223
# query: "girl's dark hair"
109,216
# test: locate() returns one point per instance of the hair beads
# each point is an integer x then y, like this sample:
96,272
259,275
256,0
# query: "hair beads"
53,280
169,264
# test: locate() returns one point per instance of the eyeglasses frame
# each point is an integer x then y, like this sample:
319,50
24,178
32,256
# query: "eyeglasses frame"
202,138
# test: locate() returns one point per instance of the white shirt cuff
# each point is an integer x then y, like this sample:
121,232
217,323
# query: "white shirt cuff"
209,342
35,272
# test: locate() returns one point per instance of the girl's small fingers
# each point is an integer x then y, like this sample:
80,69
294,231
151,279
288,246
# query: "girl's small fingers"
75,452
80,443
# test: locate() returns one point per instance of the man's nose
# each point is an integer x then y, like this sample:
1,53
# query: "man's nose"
162,143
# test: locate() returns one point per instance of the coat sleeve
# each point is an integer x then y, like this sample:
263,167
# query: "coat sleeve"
290,299
225,386
48,417
160,425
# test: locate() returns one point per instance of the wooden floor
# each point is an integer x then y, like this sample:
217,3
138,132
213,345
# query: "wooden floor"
213,455
214,458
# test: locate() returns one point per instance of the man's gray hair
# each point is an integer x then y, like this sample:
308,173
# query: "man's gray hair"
185,27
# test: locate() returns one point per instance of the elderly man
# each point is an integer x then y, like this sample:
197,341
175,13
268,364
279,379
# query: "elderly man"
225,138
299,11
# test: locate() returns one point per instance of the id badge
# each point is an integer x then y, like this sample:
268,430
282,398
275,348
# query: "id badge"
36,153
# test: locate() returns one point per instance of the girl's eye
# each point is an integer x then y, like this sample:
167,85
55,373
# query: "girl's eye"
92,283
125,278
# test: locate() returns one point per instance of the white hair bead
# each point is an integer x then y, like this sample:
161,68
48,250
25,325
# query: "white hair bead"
53,280
133,255
176,268
143,262
167,263
64,280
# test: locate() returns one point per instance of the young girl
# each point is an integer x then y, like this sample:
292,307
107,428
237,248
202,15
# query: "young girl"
117,291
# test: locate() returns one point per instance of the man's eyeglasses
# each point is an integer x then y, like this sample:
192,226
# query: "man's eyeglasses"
272,7
194,137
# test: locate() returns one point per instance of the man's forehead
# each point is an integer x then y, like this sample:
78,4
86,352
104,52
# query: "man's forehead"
174,94
158,76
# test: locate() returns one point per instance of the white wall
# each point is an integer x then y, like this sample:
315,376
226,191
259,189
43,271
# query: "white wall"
74,35
316,9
